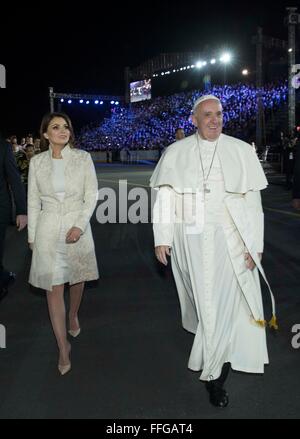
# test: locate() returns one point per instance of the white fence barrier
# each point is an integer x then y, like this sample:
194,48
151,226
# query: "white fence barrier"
125,156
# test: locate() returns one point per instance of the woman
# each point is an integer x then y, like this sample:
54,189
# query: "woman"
62,195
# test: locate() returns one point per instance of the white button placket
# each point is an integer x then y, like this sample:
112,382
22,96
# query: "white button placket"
208,286
207,264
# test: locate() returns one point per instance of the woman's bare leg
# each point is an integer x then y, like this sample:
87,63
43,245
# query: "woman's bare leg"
76,292
57,312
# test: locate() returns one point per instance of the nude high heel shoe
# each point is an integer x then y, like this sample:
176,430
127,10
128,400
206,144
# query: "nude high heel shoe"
74,333
65,368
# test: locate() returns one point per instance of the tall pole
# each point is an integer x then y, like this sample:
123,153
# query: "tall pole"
259,84
292,20
51,93
127,84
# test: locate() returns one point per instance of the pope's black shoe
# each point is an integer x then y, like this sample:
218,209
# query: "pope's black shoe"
8,278
217,394
3,292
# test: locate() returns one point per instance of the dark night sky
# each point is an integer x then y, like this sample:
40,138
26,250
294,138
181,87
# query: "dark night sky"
81,49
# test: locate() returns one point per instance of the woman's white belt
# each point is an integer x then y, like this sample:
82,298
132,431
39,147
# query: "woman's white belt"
63,208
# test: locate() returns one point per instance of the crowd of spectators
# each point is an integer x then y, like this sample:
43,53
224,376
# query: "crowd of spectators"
152,124
23,152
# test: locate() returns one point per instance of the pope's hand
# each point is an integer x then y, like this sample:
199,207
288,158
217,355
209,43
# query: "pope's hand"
73,235
249,261
161,253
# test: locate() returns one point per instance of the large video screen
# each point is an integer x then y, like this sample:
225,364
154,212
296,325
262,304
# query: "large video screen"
140,90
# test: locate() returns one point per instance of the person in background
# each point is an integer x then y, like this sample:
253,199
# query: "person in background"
296,181
23,160
10,183
14,144
289,159
23,142
179,134
37,145
29,140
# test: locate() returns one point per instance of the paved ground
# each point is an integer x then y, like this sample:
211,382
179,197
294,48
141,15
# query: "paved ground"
131,359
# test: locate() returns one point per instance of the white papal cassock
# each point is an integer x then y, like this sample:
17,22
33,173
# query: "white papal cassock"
220,298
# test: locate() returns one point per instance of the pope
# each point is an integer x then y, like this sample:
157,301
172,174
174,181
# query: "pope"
208,217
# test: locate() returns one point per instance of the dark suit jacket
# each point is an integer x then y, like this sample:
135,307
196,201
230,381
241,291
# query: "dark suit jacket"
10,176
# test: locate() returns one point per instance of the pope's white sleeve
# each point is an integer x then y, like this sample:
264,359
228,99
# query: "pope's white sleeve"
256,217
164,216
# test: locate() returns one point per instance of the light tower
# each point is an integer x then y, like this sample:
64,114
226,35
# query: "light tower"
292,20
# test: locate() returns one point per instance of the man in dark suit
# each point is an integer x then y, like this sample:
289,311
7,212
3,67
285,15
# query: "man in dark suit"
296,183
10,182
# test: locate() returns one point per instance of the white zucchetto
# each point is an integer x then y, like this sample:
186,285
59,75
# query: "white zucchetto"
202,99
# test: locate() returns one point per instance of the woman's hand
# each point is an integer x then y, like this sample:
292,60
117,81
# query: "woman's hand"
161,253
73,235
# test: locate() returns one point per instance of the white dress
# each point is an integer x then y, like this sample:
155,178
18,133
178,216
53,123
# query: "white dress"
203,272
61,269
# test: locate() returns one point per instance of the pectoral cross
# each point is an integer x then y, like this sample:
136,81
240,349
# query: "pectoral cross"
206,189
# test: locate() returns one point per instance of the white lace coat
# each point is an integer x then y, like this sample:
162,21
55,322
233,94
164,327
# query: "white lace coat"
46,212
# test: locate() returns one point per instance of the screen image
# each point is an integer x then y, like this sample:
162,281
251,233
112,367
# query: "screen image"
140,90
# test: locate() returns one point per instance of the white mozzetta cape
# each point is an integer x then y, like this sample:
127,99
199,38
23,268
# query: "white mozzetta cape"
180,166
